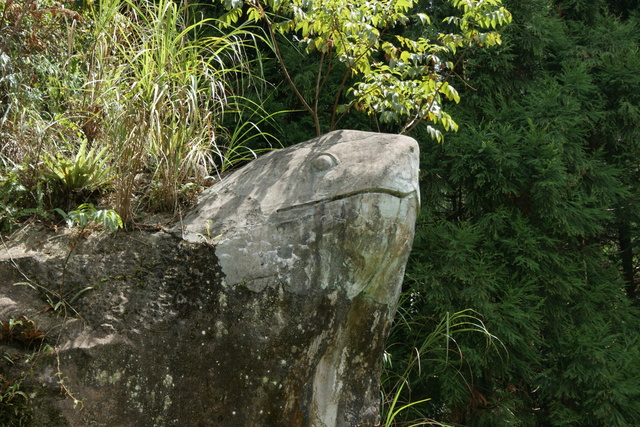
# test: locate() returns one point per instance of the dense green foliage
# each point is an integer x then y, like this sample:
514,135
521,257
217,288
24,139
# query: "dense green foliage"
530,218
531,210
131,104
396,77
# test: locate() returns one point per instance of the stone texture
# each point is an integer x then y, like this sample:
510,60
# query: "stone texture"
267,305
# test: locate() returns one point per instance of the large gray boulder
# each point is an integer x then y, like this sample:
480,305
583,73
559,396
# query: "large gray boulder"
268,304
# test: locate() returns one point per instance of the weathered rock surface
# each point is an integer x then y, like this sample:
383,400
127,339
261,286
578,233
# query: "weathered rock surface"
267,305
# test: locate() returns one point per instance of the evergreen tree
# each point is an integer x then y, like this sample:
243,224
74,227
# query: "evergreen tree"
530,218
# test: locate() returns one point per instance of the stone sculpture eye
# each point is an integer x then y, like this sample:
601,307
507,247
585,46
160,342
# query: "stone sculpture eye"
323,162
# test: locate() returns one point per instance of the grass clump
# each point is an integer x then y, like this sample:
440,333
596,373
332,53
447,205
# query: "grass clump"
96,97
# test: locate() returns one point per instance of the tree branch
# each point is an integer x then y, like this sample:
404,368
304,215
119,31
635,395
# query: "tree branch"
276,49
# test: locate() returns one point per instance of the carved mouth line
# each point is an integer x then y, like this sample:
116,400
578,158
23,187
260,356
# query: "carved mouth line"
394,193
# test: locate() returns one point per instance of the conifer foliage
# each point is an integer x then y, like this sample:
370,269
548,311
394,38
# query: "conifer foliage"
530,218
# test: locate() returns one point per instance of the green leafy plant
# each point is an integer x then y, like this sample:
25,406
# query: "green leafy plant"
85,170
400,79
86,215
